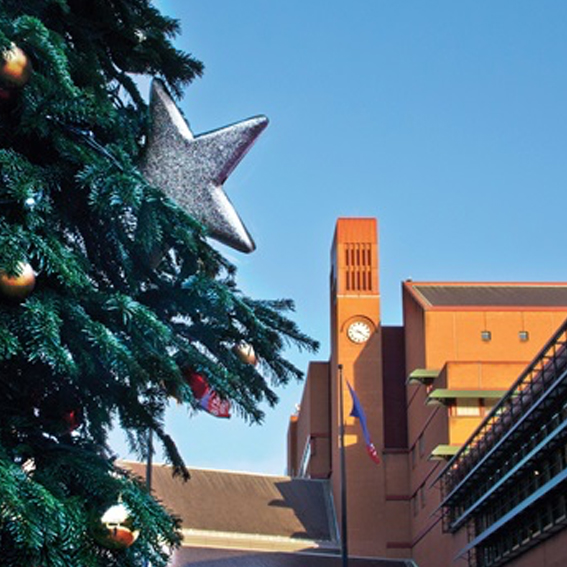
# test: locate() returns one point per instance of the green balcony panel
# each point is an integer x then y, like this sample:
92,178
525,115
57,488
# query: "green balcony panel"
444,452
422,376
446,396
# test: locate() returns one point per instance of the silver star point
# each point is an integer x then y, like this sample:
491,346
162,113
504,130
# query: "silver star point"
192,169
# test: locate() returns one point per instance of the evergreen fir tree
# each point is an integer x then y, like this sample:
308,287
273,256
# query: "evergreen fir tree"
105,335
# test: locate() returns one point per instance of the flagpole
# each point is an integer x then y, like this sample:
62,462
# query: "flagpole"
149,467
344,531
149,461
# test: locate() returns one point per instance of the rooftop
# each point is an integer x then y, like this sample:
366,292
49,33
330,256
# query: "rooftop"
205,557
544,295
244,510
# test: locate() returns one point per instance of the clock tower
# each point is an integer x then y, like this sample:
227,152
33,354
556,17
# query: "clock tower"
356,345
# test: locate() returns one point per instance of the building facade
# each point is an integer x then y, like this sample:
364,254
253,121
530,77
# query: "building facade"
426,387
507,486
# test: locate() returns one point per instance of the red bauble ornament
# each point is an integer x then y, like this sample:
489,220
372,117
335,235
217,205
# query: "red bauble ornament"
61,411
16,68
73,418
7,95
8,99
18,287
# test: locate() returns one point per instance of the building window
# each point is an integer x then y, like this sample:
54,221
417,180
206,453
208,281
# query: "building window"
486,336
305,459
487,405
413,456
466,408
524,336
422,495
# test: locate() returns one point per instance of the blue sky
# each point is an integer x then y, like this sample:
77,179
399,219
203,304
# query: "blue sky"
445,120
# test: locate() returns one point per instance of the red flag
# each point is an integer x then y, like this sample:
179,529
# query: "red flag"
212,403
208,399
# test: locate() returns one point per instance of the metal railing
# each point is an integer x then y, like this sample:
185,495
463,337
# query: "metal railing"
510,416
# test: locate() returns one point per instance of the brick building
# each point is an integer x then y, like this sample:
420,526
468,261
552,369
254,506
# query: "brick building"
429,388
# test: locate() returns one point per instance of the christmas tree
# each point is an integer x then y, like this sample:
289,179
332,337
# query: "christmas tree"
111,298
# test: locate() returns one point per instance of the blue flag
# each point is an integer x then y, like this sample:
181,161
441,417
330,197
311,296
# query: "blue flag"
358,412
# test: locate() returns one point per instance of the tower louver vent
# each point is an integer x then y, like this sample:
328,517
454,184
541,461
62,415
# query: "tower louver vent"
358,267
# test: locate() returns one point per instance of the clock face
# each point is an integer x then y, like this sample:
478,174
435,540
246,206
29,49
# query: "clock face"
359,332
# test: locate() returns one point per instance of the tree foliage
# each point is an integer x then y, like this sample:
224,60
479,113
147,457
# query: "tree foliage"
128,294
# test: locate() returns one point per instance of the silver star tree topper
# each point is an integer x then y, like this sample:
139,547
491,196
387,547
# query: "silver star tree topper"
192,169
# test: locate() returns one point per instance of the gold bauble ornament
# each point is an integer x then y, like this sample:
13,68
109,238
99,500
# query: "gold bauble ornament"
16,68
114,529
20,286
246,353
